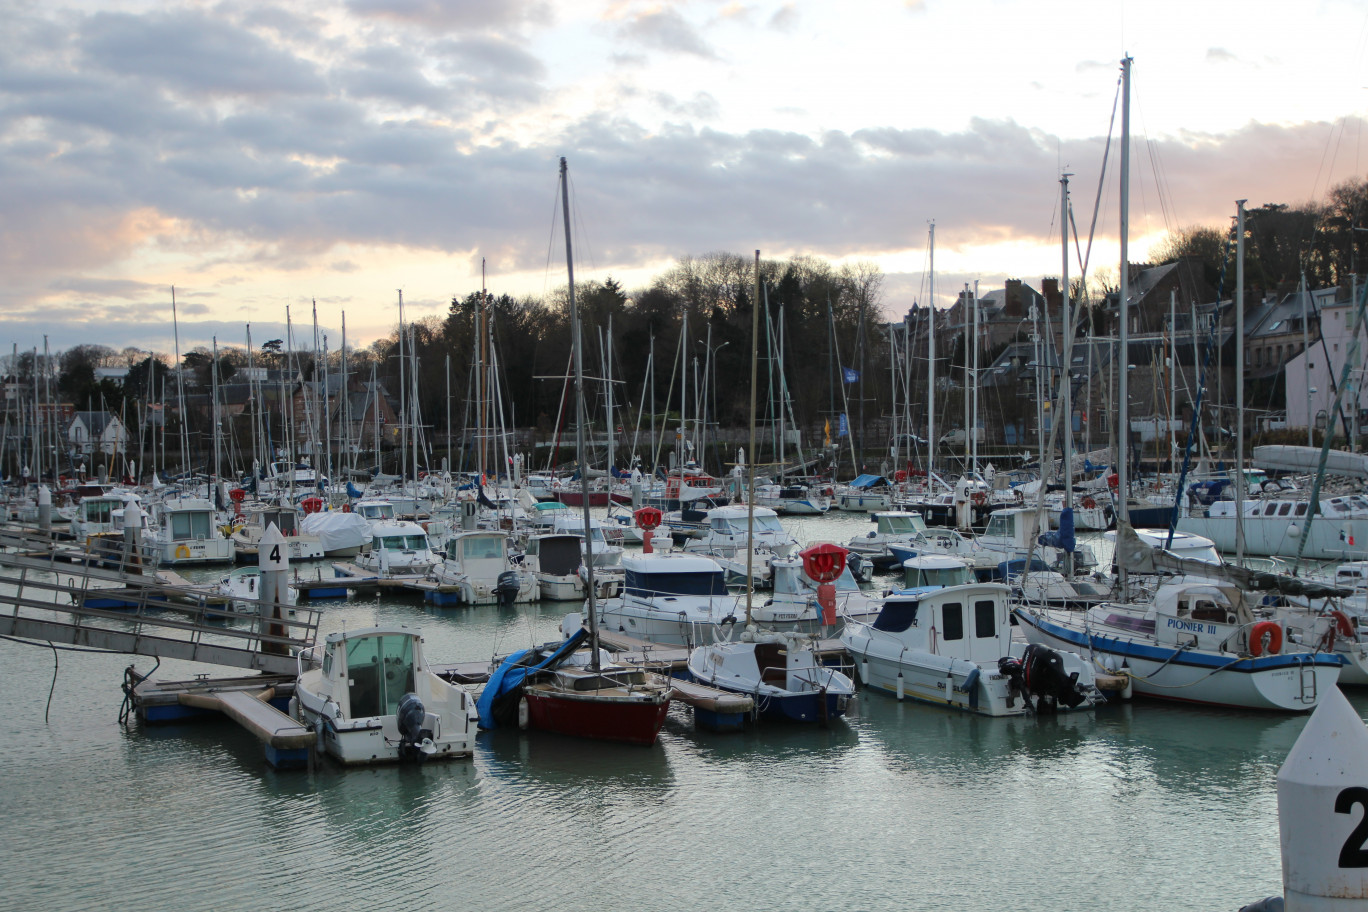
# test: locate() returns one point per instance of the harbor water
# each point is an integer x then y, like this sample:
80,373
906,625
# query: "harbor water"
899,806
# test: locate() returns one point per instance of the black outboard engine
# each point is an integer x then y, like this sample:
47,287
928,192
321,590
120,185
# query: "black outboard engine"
507,588
1040,673
415,741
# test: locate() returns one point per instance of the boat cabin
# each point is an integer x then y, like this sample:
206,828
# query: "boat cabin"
1015,528
970,622
895,522
555,555
375,510
370,671
673,575
930,570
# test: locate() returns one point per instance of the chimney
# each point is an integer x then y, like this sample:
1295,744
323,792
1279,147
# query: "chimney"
1049,290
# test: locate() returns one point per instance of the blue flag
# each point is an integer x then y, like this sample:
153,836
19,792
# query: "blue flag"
850,374
842,426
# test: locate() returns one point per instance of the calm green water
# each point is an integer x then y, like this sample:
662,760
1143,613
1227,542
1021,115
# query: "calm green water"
899,807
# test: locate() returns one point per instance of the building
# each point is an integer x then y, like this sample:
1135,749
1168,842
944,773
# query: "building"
1311,377
96,432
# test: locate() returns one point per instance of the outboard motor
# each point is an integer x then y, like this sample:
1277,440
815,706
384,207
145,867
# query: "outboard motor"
860,567
415,738
507,588
1040,673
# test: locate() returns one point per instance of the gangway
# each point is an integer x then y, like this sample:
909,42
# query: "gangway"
57,592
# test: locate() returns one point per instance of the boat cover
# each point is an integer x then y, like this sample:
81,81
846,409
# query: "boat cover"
509,676
869,481
336,530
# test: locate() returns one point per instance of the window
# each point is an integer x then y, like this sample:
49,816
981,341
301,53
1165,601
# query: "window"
1301,509
985,618
1285,509
952,621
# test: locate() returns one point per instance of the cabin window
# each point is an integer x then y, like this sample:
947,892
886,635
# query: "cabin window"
327,661
952,621
1301,509
482,548
98,511
1285,509
190,526
404,542
380,672
896,616
985,618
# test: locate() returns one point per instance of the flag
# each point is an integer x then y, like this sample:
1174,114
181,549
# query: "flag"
849,374
842,426
828,432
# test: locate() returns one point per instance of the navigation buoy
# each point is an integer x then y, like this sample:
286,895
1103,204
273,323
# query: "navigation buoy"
1323,811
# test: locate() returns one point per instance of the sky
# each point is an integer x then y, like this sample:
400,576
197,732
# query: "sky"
272,157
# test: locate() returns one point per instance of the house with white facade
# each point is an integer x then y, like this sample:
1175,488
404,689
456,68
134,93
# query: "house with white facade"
97,432
1311,378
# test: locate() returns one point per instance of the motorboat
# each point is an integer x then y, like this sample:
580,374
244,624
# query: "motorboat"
740,548
794,499
781,672
185,533
294,524
891,527
338,533
477,565
554,560
867,493
373,698
953,646
398,548
793,605
243,587
672,598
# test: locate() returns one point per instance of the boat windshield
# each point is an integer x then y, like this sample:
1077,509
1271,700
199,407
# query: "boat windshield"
379,672
190,525
898,525
897,616
481,548
377,511
404,542
708,582
767,524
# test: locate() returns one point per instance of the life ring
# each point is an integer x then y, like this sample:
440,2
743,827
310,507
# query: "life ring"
1343,626
346,508
1088,503
980,498
182,552
1256,636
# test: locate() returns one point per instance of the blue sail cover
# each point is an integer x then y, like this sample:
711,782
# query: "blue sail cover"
352,490
510,675
869,481
1064,537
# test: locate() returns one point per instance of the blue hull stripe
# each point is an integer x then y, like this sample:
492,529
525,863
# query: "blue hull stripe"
1130,649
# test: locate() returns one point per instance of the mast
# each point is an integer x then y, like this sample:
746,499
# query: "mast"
973,432
1240,483
403,395
750,460
931,364
580,417
1065,374
180,387
1123,333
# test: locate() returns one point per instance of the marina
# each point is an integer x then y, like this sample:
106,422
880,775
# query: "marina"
1102,799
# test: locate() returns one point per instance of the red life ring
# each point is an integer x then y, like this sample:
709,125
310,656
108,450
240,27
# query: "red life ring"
980,498
1088,503
1256,635
1343,626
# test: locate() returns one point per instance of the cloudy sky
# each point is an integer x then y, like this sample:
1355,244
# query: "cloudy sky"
258,156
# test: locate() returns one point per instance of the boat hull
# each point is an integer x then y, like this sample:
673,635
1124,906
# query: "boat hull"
588,715
1291,682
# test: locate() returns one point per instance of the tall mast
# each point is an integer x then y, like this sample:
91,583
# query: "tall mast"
1065,379
580,418
750,457
1240,483
180,388
1123,329
403,395
931,364
973,427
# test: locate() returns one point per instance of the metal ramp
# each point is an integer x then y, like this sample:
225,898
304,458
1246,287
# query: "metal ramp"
101,596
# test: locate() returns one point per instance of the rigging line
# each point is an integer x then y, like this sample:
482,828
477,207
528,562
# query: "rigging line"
1101,181
551,240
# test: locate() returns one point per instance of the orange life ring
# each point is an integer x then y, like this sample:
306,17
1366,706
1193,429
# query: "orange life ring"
346,508
1256,635
1088,503
980,498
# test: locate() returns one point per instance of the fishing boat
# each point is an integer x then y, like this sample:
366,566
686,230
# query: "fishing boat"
782,672
293,523
793,606
865,494
742,544
373,698
953,646
478,565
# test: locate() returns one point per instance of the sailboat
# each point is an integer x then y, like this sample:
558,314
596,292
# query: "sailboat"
573,687
782,671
